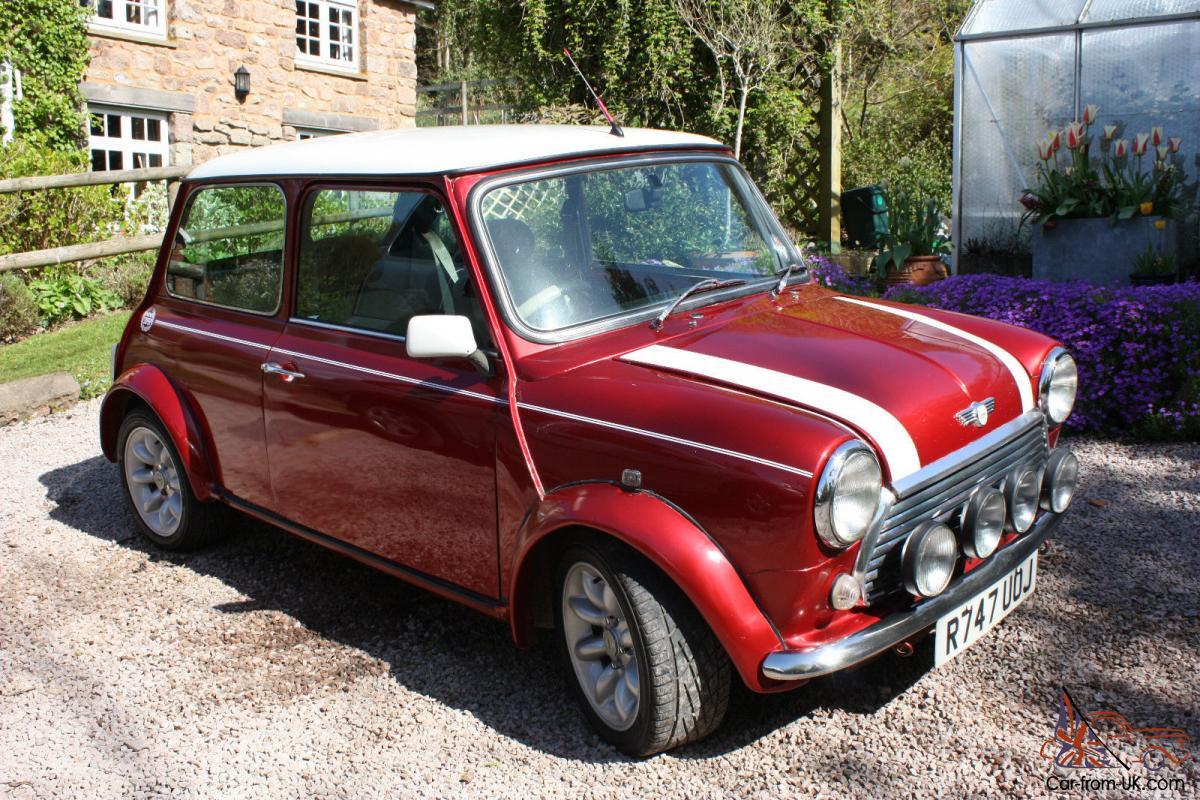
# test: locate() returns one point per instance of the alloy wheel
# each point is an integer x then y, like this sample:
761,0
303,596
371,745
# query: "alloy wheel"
153,481
601,647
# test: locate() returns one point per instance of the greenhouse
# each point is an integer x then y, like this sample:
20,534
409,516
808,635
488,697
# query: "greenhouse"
1026,67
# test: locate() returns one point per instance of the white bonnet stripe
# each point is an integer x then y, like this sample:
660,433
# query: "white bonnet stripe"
893,439
1024,387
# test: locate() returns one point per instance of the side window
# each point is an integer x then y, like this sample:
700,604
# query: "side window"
229,249
373,260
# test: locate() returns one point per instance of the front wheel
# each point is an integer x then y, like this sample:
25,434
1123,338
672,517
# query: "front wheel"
648,672
167,511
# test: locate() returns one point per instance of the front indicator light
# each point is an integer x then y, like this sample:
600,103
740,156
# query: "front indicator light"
983,522
1062,476
928,558
1023,491
846,592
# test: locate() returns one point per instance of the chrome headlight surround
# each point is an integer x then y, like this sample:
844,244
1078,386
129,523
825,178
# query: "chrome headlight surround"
1058,385
848,494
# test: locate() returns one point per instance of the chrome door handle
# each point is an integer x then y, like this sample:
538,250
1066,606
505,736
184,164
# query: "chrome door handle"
288,375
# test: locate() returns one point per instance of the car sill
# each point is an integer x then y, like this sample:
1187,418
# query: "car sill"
440,587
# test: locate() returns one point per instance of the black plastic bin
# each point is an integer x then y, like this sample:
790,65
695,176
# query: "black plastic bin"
865,215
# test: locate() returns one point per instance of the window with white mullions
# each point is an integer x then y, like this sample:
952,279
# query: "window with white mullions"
127,139
325,31
145,16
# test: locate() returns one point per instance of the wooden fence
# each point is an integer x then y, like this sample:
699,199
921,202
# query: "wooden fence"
91,250
461,103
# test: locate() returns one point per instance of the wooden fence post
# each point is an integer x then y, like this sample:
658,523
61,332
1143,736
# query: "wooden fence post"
829,192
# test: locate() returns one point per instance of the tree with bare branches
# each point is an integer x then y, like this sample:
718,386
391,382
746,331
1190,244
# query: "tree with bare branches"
744,38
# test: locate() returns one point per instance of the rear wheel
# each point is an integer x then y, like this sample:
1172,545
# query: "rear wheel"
157,490
648,672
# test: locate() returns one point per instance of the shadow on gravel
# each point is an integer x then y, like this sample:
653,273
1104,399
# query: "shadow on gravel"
430,646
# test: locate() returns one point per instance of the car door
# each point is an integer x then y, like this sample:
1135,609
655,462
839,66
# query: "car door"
215,321
390,454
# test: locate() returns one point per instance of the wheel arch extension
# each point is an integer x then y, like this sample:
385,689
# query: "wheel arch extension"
660,532
149,386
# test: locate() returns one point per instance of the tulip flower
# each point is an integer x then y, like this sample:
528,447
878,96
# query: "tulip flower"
1045,150
1146,208
1121,148
1030,201
1074,135
1109,132
1089,114
1160,224
1156,135
1055,140
1140,143
1162,151
1174,142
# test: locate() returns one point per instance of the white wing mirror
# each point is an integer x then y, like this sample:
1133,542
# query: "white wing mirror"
444,336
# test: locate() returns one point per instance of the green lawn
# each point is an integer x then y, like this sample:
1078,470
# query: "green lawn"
80,348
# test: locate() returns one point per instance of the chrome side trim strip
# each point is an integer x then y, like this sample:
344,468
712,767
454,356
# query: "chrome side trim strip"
667,438
201,332
1020,376
796,665
393,376
342,364
496,400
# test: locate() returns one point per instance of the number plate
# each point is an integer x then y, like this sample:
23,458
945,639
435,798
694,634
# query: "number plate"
962,627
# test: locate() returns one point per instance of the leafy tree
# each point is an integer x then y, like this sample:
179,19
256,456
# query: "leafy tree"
47,40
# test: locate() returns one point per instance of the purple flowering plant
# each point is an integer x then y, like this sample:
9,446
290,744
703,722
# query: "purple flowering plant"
1138,348
832,276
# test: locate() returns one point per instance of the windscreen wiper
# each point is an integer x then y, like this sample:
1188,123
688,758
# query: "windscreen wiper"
706,285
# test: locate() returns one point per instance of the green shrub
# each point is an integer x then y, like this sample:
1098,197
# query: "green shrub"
18,311
63,293
53,217
125,276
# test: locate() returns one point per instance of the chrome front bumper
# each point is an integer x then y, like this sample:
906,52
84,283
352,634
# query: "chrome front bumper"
797,665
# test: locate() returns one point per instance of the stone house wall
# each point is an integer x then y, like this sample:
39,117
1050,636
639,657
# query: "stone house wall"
189,75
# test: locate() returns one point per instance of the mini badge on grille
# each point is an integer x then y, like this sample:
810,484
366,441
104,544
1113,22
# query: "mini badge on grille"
977,413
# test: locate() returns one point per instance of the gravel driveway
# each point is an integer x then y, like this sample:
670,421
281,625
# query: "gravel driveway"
268,667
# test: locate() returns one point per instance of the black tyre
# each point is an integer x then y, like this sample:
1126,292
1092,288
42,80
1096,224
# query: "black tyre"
157,489
647,671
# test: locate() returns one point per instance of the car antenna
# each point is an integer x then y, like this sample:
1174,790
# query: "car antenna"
616,129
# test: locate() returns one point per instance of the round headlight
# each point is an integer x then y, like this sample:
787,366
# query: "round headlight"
847,494
928,558
983,522
1022,492
1062,475
1058,385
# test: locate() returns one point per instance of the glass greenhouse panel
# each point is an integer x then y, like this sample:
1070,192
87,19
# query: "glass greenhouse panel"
1144,76
1013,92
998,16
1110,10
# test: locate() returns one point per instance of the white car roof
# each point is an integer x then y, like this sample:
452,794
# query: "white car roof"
432,151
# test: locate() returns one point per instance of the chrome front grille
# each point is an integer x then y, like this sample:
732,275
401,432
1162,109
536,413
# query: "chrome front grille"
941,495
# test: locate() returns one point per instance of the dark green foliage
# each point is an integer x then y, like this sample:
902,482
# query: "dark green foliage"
47,41
18,312
53,217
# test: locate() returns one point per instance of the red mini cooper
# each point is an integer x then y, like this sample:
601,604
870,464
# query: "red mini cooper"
584,382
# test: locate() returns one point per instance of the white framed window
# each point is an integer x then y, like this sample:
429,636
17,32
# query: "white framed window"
326,32
141,16
127,138
314,133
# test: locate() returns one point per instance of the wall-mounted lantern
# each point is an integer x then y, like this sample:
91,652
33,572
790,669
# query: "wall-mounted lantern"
241,83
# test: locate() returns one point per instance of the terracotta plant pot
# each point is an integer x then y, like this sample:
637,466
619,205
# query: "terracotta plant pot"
917,270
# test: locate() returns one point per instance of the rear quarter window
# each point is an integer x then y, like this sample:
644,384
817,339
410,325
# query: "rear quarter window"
228,250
